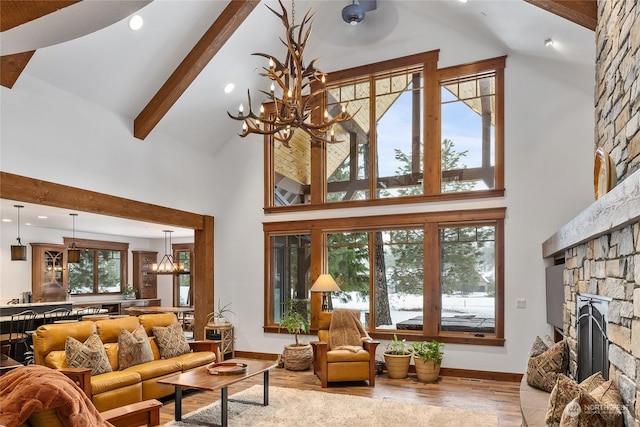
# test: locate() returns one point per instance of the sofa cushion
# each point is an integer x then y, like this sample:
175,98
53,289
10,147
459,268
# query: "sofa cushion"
160,319
56,360
171,340
195,359
133,348
113,380
600,407
543,370
156,368
90,354
109,329
565,391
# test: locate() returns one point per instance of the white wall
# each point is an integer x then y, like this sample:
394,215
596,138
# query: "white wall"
53,135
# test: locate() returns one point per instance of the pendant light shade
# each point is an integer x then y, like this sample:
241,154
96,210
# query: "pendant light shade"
19,251
73,253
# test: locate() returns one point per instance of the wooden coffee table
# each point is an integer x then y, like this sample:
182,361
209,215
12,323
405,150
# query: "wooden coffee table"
200,379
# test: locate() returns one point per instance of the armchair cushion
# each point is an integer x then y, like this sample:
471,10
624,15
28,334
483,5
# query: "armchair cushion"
361,355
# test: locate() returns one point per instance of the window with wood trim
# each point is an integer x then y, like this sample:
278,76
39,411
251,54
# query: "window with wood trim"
419,133
102,268
183,283
423,275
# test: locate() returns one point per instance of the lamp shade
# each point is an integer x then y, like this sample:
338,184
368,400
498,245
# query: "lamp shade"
325,283
18,252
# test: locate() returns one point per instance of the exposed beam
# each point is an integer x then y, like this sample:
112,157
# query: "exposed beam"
15,13
211,42
11,66
581,12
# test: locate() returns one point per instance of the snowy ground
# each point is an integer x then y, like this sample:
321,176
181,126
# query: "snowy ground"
408,306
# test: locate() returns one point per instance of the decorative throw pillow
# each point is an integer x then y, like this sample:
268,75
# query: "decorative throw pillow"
565,391
601,407
133,348
543,370
538,347
171,340
90,354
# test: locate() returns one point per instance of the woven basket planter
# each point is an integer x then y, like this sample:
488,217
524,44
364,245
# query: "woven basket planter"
297,357
427,371
397,365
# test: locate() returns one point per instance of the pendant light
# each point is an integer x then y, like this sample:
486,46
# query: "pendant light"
166,264
73,253
19,251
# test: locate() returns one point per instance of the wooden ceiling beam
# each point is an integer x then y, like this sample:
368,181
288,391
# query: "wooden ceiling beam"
15,13
581,12
211,42
11,66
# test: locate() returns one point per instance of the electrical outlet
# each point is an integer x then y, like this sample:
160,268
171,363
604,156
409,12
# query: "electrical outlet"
521,303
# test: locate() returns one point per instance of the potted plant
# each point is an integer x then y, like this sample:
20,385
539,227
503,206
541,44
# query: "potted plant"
397,358
298,356
128,292
427,357
218,315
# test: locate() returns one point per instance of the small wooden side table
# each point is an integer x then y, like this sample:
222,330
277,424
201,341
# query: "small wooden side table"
226,337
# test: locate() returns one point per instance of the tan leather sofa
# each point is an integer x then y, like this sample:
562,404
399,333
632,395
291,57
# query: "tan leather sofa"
131,385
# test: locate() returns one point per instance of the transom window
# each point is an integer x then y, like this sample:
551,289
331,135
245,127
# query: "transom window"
418,132
102,268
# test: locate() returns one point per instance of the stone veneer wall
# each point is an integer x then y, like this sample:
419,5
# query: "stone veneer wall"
617,93
610,266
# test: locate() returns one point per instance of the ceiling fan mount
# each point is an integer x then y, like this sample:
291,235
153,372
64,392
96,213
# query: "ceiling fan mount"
354,13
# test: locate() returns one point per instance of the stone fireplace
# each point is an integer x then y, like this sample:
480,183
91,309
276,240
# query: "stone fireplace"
601,245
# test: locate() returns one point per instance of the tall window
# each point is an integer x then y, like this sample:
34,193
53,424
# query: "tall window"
102,268
290,264
414,274
183,283
417,132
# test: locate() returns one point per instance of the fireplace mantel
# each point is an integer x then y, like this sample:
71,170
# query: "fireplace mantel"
616,209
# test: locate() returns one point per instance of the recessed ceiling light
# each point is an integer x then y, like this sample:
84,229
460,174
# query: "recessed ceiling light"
43,217
6,220
462,1
229,87
135,22
549,42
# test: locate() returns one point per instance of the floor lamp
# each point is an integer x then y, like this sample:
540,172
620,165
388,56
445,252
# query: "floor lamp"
325,283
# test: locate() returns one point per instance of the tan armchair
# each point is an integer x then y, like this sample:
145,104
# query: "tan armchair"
348,355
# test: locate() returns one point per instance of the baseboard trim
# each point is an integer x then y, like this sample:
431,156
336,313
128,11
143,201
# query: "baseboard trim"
449,372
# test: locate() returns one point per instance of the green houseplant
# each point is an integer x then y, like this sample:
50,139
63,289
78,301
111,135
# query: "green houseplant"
397,358
128,292
298,356
427,357
219,314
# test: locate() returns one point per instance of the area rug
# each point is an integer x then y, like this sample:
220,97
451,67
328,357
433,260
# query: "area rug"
295,408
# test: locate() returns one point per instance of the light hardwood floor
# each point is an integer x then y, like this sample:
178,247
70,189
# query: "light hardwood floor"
484,395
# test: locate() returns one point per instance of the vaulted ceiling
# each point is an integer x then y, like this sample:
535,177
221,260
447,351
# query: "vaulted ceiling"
169,76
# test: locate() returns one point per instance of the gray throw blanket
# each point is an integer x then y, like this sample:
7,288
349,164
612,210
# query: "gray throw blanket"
346,332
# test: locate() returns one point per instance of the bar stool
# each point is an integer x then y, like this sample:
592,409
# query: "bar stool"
20,324
57,315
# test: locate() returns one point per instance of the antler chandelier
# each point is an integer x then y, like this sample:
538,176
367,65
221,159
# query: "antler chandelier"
303,89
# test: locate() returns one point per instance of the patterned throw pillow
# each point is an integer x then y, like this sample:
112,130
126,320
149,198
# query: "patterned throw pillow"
538,347
601,407
565,391
543,370
133,348
171,340
90,354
